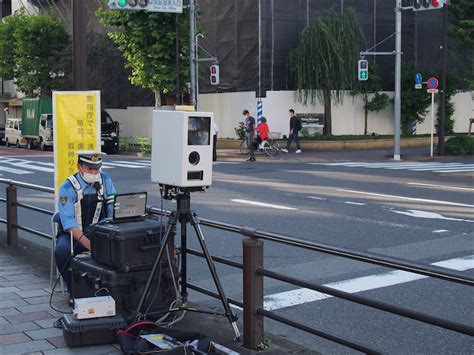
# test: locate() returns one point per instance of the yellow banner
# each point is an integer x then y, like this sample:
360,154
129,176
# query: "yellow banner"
76,124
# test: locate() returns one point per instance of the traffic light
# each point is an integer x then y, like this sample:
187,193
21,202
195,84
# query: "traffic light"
421,5
363,72
214,71
147,5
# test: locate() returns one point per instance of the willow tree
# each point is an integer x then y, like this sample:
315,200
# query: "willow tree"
324,61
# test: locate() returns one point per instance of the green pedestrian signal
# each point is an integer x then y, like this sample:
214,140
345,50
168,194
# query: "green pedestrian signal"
363,70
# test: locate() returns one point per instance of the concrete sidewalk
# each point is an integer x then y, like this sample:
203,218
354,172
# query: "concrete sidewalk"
26,318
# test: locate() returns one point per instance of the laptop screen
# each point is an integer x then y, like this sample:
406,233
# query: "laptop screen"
130,205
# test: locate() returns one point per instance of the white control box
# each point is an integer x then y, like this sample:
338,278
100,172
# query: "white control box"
94,307
182,148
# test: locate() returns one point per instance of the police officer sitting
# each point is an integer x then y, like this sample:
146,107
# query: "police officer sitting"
85,198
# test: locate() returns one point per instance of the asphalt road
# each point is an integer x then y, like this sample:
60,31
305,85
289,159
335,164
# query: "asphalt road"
419,210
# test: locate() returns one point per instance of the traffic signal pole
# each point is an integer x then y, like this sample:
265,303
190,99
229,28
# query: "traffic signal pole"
398,79
192,49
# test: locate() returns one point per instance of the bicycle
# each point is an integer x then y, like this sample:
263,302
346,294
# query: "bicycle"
270,147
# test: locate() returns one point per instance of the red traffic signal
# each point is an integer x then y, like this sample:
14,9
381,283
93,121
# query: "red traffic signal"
214,70
419,5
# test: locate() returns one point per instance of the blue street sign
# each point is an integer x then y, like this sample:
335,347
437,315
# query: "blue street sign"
418,78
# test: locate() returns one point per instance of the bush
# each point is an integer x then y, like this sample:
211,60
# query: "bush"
460,145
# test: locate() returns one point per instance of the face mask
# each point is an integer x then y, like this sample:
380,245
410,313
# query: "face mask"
90,178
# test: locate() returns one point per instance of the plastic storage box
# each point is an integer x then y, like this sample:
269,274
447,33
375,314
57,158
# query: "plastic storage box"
127,246
93,279
91,331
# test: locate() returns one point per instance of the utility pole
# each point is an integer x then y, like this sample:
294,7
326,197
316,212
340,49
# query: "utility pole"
442,116
178,62
79,43
398,75
192,49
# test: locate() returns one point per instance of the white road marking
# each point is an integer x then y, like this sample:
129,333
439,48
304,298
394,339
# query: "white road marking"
354,203
421,166
125,165
317,198
442,186
262,204
407,198
27,165
15,171
430,215
360,284
132,162
440,231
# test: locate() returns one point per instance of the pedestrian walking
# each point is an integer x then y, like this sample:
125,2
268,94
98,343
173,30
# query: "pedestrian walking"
250,134
295,128
214,132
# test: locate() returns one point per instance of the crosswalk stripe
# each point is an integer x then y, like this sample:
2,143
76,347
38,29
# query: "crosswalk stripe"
360,284
14,171
436,167
131,162
123,165
34,167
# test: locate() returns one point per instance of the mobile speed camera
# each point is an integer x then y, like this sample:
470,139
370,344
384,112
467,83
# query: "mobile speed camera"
182,148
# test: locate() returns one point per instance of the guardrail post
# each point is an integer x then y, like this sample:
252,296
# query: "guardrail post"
253,292
12,217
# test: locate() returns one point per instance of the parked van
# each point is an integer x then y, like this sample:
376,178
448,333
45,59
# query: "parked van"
13,133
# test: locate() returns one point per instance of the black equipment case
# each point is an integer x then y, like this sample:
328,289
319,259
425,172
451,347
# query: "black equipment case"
127,246
91,331
93,279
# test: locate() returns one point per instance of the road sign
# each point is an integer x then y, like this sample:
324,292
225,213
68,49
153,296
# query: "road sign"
418,86
147,5
432,83
418,78
432,91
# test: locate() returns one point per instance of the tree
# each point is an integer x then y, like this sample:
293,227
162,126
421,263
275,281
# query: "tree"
8,43
461,27
374,101
42,55
147,41
324,60
35,53
414,103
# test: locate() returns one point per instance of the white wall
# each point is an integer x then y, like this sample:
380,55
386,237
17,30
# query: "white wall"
348,117
134,121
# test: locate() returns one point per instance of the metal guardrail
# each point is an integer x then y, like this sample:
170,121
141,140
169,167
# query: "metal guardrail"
254,272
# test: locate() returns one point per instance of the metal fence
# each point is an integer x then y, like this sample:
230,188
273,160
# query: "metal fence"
254,272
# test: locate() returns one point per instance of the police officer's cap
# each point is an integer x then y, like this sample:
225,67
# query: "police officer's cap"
91,158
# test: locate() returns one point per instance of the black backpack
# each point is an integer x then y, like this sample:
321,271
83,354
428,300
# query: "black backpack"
187,342
298,125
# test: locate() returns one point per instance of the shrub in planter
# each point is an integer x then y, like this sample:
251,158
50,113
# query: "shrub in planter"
460,145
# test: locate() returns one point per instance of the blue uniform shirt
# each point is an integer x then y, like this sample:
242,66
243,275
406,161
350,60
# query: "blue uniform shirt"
68,197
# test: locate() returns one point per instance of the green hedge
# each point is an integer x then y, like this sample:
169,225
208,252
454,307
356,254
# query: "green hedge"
460,145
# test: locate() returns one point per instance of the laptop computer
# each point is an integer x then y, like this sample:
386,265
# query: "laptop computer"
130,207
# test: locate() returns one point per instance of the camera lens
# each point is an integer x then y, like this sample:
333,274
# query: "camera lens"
194,158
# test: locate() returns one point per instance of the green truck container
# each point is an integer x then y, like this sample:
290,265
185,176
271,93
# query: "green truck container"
37,122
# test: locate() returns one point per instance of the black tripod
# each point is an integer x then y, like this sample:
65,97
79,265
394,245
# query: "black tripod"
184,215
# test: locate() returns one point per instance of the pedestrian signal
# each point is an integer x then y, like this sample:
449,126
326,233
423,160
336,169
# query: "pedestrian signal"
214,71
363,71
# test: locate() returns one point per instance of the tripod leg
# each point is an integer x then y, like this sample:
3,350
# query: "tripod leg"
184,286
230,315
164,244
